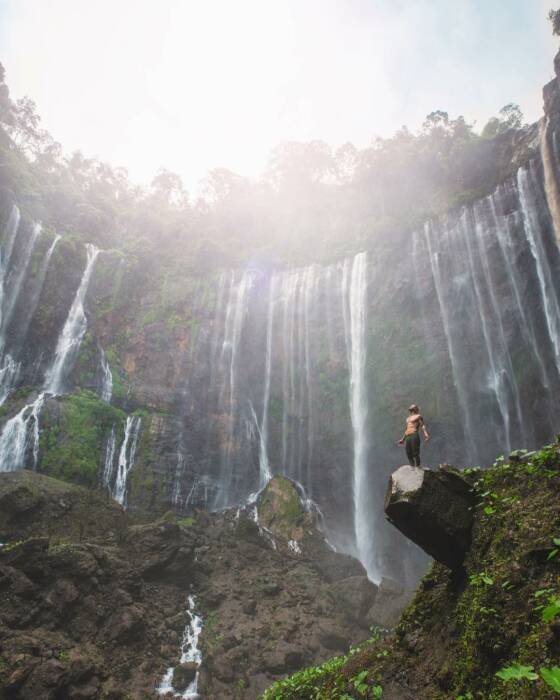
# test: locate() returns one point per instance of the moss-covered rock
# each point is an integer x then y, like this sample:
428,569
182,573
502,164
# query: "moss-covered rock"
74,430
281,510
461,630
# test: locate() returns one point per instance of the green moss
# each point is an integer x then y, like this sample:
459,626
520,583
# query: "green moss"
460,630
71,444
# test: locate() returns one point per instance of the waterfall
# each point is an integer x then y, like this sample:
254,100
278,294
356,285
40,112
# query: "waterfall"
550,173
354,286
19,436
107,378
190,653
19,332
235,315
179,470
12,228
16,437
126,458
264,464
451,345
73,332
505,244
525,183
109,459
15,280
9,372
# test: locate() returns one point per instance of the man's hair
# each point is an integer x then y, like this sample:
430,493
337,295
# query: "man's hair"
413,407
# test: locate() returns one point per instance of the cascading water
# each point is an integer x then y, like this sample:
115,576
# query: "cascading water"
354,287
20,435
14,282
190,653
264,464
127,455
525,183
109,459
106,391
19,442
11,231
73,332
235,314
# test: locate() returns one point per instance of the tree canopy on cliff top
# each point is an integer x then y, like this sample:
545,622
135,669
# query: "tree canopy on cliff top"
312,203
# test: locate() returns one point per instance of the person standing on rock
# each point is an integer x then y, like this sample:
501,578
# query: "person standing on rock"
411,436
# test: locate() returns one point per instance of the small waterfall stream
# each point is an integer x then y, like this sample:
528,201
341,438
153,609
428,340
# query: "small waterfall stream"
127,455
190,653
19,440
107,378
73,331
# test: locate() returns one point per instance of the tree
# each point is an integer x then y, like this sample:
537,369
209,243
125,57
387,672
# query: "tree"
511,116
554,17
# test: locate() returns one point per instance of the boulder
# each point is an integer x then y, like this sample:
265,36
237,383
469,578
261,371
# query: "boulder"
434,509
355,595
281,510
184,675
389,602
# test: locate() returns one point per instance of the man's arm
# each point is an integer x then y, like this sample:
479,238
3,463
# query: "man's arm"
424,430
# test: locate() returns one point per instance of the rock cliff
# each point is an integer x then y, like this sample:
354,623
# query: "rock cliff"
94,604
490,630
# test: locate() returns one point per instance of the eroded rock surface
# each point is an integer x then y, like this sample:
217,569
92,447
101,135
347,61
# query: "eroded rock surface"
94,604
433,509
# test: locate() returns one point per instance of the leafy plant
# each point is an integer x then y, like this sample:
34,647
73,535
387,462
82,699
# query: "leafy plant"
553,552
551,676
358,682
481,578
551,610
517,672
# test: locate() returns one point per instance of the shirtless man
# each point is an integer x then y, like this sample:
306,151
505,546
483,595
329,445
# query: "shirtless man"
411,437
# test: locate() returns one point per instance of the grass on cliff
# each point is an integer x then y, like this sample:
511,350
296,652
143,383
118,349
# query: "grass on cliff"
72,443
489,633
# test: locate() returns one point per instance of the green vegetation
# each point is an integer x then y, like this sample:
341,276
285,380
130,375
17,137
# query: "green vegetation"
312,201
71,443
489,634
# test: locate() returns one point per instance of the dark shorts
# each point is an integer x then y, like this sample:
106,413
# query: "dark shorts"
412,447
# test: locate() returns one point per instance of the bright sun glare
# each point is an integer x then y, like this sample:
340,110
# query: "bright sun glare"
194,85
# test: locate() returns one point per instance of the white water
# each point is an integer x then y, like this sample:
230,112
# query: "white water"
15,281
264,464
235,315
176,498
12,228
107,379
20,330
126,458
190,653
525,181
354,288
73,331
451,349
9,372
109,459
21,435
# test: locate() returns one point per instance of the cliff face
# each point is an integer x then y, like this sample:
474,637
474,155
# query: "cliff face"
487,631
183,390
95,604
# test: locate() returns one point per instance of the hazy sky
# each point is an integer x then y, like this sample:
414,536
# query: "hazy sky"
195,84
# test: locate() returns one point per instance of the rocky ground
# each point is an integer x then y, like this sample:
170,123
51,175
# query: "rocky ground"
485,621
94,604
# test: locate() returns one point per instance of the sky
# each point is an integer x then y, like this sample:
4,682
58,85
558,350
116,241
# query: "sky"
190,85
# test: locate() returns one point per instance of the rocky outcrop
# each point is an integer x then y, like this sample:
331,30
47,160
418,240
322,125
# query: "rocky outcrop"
94,604
434,509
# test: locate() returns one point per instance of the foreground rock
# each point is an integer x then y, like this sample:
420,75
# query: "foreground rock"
93,605
434,509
